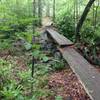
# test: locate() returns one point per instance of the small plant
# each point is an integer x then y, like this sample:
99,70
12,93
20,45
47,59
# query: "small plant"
36,46
65,24
58,98
58,64
5,72
5,44
24,75
10,92
8,88
27,36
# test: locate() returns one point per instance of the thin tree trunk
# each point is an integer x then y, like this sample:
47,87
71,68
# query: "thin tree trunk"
96,14
40,12
82,19
34,14
75,16
48,9
54,10
34,8
93,14
77,10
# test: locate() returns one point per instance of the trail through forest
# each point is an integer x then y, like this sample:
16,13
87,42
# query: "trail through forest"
63,83
31,65
46,21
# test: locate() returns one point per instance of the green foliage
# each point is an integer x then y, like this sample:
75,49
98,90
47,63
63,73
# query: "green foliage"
5,44
66,20
58,64
11,92
89,33
69,14
5,31
5,68
36,53
24,75
22,23
41,81
36,34
58,98
17,25
8,87
45,59
15,17
26,35
42,71
36,46
27,46
65,23
40,56
17,89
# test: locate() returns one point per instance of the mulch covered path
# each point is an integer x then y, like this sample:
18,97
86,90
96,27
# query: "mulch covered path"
66,84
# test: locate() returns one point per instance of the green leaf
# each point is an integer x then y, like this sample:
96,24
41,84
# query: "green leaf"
36,53
27,46
58,98
45,59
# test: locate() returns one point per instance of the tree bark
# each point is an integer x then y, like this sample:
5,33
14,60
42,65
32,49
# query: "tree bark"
34,8
96,14
40,12
48,9
82,19
54,10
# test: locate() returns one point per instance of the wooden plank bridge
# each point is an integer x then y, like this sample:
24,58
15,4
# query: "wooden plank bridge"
86,73
59,39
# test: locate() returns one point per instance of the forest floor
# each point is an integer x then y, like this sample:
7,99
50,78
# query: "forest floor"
65,83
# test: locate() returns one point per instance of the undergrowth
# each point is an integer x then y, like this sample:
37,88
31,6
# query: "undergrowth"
16,82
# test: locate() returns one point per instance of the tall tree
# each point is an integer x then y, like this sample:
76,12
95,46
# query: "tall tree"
40,11
54,9
34,8
82,19
96,13
34,14
48,9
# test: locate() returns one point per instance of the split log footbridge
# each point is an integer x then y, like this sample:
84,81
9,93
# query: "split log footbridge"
86,73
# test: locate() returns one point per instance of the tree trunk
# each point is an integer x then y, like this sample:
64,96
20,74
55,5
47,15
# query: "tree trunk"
40,12
82,19
53,10
96,14
48,9
34,15
34,8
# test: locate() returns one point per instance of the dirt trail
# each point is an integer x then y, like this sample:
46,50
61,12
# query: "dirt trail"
46,21
64,83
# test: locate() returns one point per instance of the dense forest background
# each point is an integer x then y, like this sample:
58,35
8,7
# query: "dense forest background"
19,23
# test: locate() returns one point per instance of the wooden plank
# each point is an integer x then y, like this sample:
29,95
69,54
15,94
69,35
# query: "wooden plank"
60,39
87,74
